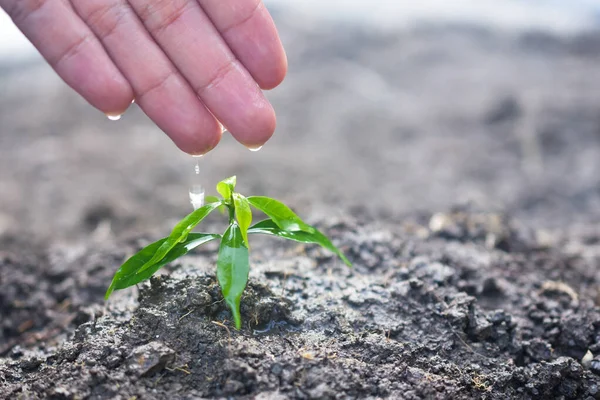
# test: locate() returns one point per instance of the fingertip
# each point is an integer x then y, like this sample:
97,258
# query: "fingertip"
268,80
102,85
94,76
199,142
117,97
254,40
260,126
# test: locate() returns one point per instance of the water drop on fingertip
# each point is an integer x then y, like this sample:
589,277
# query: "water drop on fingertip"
257,148
223,129
113,117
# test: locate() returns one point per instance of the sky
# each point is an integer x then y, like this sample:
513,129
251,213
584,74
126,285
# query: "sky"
559,16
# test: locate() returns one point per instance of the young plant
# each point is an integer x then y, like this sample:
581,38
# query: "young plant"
233,262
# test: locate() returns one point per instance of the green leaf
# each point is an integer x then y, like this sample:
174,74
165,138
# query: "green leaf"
268,227
180,232
281,214
243,214
226,187
233,265
214,199
211,199
130,272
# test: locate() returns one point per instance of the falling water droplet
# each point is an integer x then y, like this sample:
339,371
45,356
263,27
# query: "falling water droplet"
197,166
113,117
256,148
197,196
196,191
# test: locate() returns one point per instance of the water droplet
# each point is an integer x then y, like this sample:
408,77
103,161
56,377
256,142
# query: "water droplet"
256,148
197,166
113,117
133,101
196,191
197,196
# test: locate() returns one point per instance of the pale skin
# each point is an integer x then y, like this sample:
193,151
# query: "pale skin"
187,63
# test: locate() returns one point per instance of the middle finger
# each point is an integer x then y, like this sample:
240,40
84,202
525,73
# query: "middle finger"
191,41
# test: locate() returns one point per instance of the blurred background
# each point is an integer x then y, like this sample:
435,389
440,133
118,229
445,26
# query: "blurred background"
389,108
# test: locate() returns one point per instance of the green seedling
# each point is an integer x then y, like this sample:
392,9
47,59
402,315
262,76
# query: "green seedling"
233,262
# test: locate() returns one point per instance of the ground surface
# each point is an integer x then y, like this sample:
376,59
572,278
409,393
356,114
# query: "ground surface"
379,137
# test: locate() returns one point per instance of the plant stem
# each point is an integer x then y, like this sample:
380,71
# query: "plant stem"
231,208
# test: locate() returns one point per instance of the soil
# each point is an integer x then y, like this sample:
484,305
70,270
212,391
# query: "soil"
455,166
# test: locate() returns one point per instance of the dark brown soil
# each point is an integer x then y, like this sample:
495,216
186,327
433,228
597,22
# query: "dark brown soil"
382,140
461,305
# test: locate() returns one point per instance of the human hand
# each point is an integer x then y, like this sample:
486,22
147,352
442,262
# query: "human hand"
187,63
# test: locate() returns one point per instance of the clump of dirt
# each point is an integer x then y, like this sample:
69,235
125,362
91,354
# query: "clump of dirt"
454,305
44,292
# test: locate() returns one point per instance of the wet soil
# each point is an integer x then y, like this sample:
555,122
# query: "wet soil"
383,137
457,305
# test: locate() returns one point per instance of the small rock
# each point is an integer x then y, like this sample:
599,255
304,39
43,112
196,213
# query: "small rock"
68,352
415,283
498,317
400,289
16,352
479,326
538,349
150,358
586,361
113,361
60,392
550,288
84,315
30,364
439,221
492,287
90,362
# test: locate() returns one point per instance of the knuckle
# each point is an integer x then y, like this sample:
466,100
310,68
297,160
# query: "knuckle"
245,16
218,76
71,50
19,10
104,19
160,14
156,84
